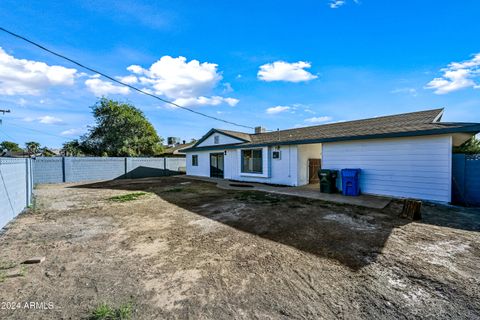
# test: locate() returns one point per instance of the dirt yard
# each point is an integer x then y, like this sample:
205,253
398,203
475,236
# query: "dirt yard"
188,250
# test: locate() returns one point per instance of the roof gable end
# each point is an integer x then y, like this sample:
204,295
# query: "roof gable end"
230,137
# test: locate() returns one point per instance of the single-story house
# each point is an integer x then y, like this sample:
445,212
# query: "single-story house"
176,150
403,155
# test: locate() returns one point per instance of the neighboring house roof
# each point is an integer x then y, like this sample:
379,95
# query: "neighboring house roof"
400,125
56,151
14,154
178,148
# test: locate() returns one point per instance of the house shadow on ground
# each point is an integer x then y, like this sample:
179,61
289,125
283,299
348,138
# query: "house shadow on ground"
353,236
147,172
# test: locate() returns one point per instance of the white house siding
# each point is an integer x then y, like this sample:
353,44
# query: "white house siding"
203,168
416,167
305,152
223,139
275,171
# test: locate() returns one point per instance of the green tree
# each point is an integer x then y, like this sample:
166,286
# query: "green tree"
471,146
72,148
10,146
32,147
45,152
120,130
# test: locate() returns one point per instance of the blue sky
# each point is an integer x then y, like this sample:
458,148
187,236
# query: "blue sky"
279,64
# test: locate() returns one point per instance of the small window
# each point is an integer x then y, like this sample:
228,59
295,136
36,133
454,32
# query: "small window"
276,155
216,139
252,161
194,160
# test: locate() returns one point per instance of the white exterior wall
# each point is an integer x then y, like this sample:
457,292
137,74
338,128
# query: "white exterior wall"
223,139
275,171
305,152
203,168
416,167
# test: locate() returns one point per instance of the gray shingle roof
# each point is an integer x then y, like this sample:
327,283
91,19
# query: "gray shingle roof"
171,150
405,124
395,123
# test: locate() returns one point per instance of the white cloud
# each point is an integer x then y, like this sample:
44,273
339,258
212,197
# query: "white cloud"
305,107
284,71
456,76
189,83
336,4
131,79
227,88
411,91
318,119
28,77
49,120
232,102
74,132
103,88
205,101
277,109
308,110
136,69
177,78
44,120
22,102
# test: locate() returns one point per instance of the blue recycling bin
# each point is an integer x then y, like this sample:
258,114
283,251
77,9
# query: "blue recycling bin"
351,182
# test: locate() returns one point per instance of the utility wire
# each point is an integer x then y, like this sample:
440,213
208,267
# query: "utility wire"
120,82
6,135
38,131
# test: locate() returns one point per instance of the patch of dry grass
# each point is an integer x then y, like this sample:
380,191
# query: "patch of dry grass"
127,197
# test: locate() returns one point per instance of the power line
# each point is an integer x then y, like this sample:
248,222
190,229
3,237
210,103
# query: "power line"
25,128
38,131
120,82
6,135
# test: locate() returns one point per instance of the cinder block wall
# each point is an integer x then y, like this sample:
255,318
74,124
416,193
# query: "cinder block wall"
15,187
77,169
48,170
18,175
93,168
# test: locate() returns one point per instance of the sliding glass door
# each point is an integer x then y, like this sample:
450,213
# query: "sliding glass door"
216,165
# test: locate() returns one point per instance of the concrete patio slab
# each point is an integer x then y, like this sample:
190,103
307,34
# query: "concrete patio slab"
311,191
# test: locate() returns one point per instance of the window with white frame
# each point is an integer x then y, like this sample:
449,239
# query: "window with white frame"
252,161
194,160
